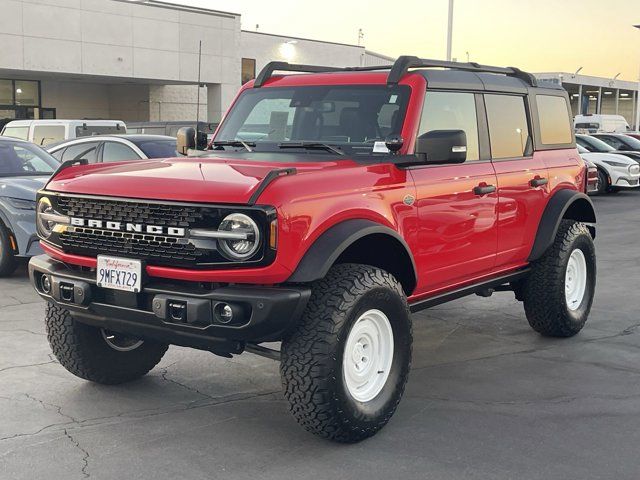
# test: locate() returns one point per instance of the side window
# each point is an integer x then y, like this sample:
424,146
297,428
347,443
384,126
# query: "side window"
612,141
58,153
118,152
508,126
86,150
47,134
452,111
21,133
555,126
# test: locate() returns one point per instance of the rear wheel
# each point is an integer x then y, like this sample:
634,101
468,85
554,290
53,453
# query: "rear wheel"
345,366
559,291
8,262
96,354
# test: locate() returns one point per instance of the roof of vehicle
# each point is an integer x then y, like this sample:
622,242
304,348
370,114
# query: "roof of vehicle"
25,123
135,138
437,73
4,139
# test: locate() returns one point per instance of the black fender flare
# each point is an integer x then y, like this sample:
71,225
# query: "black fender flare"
563,204
328,247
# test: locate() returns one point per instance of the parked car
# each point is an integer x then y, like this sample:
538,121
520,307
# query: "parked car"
24,169
48,132
593,144
620,142
594,123
615,172
367,196
116,148
592,175
205,129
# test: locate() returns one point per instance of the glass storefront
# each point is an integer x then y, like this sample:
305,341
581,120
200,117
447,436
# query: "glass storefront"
20,99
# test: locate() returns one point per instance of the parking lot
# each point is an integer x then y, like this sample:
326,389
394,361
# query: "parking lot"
487,398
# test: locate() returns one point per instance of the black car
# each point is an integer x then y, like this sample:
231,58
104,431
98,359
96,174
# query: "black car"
594,143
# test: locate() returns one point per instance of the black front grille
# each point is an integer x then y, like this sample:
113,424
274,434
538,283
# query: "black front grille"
163,250
157,249
159,214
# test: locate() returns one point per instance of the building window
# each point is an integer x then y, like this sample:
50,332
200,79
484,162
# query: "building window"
6,92
248,69
27,93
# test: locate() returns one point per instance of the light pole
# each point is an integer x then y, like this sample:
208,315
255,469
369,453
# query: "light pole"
637,125
450,31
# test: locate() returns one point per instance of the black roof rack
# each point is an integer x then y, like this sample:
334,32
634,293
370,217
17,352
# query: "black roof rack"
396,71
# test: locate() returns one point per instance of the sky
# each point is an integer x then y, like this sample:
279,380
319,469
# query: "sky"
539,36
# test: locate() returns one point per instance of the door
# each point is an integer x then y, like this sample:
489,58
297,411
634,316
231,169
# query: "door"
457,204
522,177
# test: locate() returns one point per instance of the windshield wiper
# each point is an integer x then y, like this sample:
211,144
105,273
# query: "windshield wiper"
235,143
311,146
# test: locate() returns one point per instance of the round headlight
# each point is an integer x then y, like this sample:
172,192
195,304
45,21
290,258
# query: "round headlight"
45,227
243,236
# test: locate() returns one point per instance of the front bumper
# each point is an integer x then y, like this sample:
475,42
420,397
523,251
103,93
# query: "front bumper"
185,313
627,182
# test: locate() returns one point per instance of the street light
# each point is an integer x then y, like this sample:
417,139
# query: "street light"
450,31
637,126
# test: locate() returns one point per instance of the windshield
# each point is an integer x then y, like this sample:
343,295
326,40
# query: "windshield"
631,142
351,118
20,159
158,148
593,144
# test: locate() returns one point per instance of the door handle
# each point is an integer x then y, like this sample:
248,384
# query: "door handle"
538,182
484,189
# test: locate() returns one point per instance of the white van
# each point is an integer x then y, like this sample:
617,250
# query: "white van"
596,123
47,132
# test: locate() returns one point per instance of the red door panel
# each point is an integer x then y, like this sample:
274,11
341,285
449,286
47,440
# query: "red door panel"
523,196
457,233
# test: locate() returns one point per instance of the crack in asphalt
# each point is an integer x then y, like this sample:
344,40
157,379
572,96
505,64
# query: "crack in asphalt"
85,453
27,366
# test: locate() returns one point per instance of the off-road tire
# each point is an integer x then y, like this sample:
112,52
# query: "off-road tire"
8,262
82,350
311,365
543,291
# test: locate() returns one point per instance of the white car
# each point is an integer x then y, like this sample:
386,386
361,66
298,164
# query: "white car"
48,132
614,171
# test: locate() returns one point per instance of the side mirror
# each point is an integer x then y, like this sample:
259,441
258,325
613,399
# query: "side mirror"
186,140
442,146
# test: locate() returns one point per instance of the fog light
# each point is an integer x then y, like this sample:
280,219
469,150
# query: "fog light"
223,313
45,283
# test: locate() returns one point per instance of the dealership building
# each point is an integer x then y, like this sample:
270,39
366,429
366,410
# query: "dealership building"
143,61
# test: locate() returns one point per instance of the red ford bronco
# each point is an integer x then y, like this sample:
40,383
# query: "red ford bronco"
330,206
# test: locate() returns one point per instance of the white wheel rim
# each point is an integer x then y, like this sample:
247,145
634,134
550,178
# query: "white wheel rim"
368,355
575,279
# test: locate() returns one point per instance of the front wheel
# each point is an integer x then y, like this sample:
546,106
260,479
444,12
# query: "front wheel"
8,261
559,291
96,354
345,366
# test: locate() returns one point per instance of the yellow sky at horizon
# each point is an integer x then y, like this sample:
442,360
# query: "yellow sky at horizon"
538,36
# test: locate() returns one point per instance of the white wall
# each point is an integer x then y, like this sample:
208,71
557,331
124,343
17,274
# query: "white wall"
265,48
117,39
76,99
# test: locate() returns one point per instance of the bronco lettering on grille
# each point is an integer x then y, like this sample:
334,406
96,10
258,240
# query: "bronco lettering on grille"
128,227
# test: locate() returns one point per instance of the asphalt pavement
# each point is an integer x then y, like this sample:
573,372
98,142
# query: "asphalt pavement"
487,398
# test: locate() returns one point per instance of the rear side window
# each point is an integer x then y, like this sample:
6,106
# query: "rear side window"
79,151
118,152
16,132
555,126
508,126
452,111
48,134
91,130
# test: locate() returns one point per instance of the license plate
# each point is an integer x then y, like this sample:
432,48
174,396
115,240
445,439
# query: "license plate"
119,273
